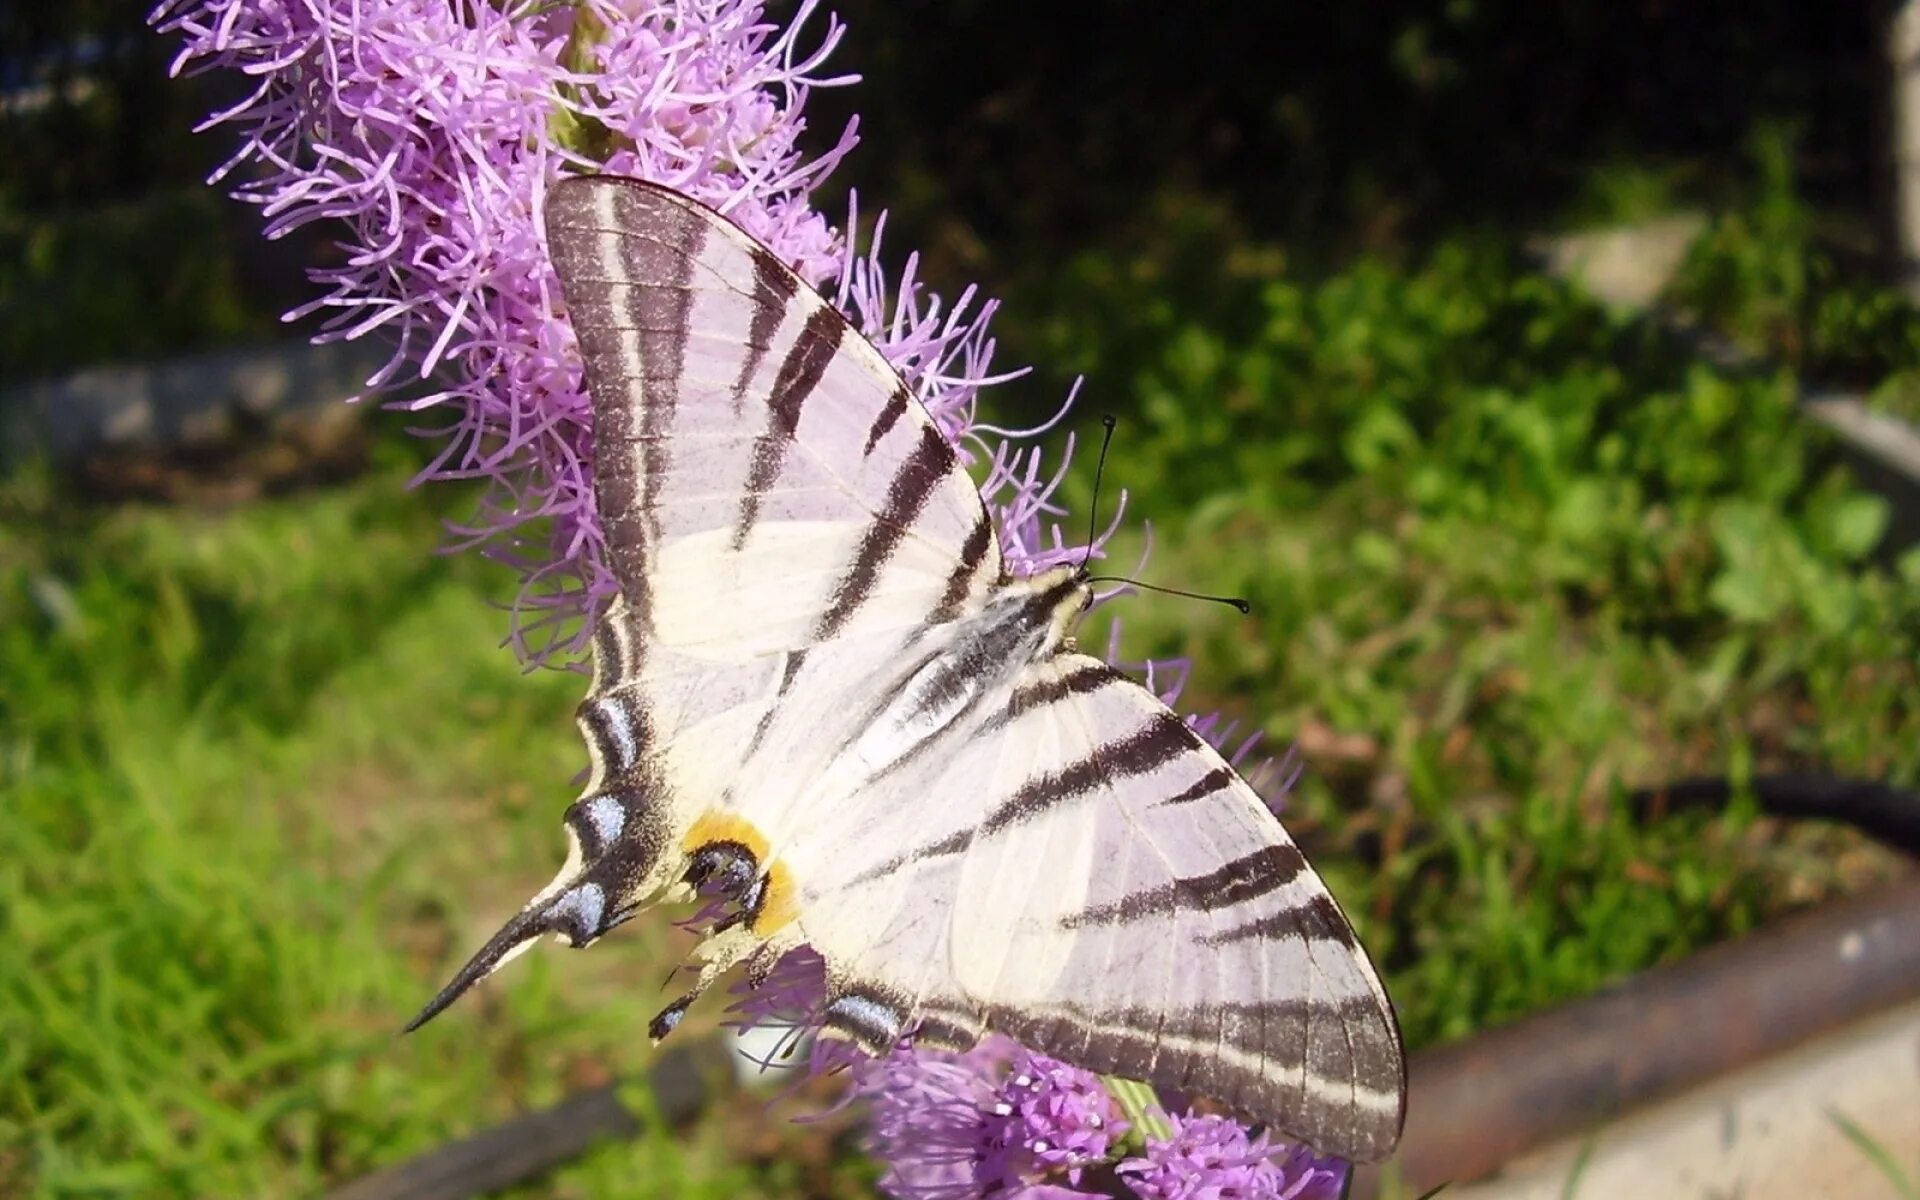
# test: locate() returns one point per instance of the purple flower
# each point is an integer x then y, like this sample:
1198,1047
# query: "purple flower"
1048,1118
927,1119
1212,1158
996,1120
428,130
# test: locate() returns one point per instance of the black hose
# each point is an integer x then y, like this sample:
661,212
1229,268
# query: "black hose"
1888,814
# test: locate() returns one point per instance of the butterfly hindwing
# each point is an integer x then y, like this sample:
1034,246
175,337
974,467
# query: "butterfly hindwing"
1127,903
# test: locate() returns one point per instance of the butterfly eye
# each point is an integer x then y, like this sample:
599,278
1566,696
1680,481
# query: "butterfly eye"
726,869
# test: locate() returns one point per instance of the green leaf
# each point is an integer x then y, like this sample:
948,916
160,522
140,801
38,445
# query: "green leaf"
1381,435
1855,525
1141,1105
1747,596
1581,514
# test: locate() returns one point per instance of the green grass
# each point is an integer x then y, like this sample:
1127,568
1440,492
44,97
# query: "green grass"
1467,753
266,773
1905,1184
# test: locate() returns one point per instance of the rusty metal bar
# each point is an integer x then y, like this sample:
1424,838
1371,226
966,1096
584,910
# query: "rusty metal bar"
1475,1104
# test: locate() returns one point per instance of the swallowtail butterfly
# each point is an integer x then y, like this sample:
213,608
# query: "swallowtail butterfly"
821,691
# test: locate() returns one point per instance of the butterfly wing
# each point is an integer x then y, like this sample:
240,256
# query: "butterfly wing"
1119,897
765,480
788,673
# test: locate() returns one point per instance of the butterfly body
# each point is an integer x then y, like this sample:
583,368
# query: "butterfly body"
822,694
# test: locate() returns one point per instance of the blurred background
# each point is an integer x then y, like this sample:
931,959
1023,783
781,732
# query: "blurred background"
1469,339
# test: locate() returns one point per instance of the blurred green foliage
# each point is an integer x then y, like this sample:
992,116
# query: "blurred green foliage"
1035,132
112,246
68,299
1795,284
1022,139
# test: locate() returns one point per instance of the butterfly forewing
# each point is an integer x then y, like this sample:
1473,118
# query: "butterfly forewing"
817,666
764,479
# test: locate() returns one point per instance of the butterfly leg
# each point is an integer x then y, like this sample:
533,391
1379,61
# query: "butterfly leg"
717,955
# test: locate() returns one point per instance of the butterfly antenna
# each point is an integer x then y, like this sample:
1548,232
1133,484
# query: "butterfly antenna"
1231,601
1093,530
1100,469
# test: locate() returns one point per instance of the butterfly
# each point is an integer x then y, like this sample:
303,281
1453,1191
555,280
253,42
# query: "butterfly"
821,694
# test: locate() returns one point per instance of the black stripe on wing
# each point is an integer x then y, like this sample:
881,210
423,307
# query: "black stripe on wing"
625,258
1337,1044
931,461
1164,738
889,417
617,727
774,288
1228,1022
800,373
1318,920
1261,873
947,1029
1213,781
960,582
1080,679
1279,1061
612,655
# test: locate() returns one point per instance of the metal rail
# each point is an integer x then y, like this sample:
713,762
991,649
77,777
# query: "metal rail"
1475,1104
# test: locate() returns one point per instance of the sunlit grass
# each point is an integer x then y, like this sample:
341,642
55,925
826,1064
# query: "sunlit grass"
266,773
1510,558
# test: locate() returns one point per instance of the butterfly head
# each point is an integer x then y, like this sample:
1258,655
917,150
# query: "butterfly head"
1045,606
